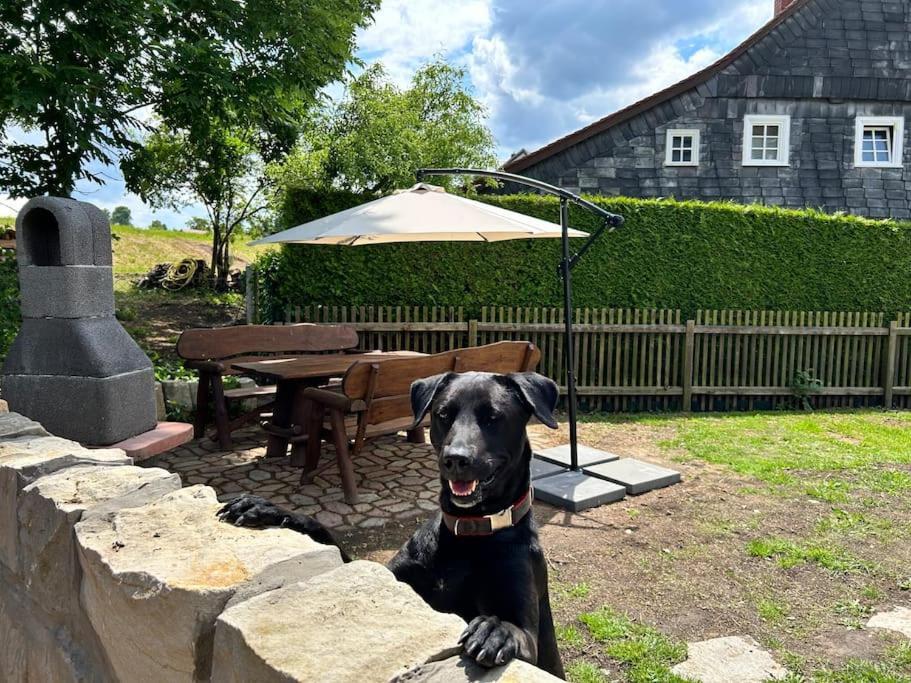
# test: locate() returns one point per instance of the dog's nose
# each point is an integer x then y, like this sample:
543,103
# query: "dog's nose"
456,459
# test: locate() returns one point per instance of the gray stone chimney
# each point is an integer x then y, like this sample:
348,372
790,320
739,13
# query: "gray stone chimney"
73,367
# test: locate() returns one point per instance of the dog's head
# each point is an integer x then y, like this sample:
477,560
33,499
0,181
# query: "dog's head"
477,427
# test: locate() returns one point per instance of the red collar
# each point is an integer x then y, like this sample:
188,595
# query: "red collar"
486,525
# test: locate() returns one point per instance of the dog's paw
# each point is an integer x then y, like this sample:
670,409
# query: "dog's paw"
489,641
253,512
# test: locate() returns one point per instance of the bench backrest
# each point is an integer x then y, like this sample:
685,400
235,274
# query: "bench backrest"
218,343
386,386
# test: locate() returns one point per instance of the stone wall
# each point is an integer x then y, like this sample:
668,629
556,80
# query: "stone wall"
829,62
114,572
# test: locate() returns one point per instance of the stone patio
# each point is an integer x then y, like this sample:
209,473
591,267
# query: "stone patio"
396,480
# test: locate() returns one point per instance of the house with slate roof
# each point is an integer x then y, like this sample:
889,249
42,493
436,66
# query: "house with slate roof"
809,111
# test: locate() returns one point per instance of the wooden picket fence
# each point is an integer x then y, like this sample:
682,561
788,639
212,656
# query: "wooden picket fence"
636,360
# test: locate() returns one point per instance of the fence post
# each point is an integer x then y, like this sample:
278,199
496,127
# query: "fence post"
249,300
472,332
688,350
889,366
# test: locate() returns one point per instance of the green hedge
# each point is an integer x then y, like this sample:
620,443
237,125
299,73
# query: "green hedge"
669,254
10,317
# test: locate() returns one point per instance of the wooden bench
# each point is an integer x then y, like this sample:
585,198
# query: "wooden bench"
375,400
211,351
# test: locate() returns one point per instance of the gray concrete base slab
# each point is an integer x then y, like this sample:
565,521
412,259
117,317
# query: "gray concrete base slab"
587,455
577,491
95,411
543,468
637,476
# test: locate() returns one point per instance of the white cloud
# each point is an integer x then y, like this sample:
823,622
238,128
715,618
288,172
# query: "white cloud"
406,33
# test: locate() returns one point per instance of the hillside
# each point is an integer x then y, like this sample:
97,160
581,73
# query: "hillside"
138,249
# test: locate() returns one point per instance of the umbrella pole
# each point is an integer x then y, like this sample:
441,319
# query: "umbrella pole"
566,275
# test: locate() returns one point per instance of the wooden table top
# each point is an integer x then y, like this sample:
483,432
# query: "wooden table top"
314,366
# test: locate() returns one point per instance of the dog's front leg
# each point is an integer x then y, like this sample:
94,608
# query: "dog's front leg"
492,642
258,513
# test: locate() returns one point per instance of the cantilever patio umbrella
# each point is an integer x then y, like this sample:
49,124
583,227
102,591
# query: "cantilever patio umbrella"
426,213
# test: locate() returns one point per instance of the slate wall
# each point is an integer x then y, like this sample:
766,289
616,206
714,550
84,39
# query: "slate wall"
829,62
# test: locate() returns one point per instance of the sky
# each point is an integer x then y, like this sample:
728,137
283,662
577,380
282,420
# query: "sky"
542,69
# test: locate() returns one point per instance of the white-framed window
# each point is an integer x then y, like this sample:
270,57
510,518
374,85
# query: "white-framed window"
766,140
682,147
878,141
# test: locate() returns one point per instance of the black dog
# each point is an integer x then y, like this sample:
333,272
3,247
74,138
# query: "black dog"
479,557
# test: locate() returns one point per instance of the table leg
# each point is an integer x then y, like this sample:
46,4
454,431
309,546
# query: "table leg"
300,418
276,445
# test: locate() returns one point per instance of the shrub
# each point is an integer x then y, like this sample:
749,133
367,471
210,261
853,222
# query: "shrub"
669,254
10,318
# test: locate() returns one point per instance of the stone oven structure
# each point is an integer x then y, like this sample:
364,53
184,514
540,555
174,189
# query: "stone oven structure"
73,367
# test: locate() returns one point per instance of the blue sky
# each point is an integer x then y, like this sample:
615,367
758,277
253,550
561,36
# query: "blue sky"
542,69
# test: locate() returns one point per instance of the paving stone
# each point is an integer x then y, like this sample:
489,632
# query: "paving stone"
355,623
898,620
577,491
637,476
587,455
724,660
329,519
544,468
259,475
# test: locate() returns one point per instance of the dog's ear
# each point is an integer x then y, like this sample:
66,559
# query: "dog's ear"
423,391
539,393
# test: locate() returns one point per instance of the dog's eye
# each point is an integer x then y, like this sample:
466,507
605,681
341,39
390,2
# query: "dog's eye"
442,414
494,416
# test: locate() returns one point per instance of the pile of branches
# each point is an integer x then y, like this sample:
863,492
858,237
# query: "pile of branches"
174,276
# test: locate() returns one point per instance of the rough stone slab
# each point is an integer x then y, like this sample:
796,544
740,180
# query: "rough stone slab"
92,410
576,491
544,468
156,577
25,459
165,437
461,670
161,410
355,623
66,291
49,509
637,476
898,620
587,455
14,426
733,658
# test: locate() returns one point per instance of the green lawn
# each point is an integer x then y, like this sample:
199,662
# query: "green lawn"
803,519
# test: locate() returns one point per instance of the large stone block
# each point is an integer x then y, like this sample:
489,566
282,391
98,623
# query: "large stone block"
25,459
93,410
156,577
356,623
49,509
56,231
462,670
14,426
66,291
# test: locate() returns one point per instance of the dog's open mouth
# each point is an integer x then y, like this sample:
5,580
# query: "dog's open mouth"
463,489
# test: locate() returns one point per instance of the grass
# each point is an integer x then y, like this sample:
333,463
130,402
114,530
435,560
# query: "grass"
645,653
787,449
582,671
772,610
792,554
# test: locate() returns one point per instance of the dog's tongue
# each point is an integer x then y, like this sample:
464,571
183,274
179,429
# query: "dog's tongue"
462,488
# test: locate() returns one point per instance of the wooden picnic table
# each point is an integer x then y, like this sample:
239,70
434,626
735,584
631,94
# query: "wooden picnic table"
292,376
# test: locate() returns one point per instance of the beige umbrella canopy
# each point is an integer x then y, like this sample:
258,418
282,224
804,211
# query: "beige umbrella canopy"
423,213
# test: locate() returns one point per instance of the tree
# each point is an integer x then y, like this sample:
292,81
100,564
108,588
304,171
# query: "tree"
199,224
223,170
375,138
87,76
157,225
121,216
